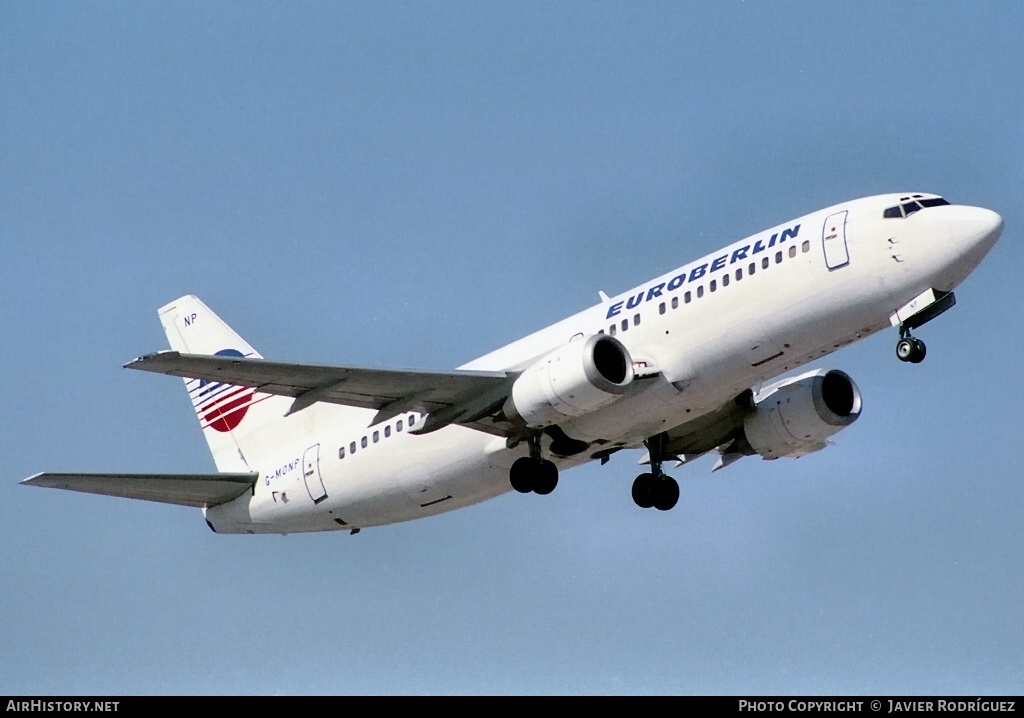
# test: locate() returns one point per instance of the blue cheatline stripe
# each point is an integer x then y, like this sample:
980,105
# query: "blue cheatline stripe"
231,393
208,392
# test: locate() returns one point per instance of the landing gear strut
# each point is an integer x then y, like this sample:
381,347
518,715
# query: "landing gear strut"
656,488
533,473
910,349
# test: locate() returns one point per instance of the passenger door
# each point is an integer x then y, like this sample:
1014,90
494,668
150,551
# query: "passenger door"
833,239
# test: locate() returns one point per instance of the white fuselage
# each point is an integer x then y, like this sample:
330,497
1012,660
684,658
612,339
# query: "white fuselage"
709,330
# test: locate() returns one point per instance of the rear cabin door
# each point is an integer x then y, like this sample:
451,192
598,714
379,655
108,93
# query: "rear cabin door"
311,474
833,239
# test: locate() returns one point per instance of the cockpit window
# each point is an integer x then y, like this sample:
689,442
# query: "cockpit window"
908,208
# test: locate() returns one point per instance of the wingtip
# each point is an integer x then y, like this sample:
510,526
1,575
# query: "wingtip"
137,361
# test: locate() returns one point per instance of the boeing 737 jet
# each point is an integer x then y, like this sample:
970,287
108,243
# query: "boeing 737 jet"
683,365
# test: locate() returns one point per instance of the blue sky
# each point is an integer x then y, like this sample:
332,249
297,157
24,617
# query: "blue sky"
416,184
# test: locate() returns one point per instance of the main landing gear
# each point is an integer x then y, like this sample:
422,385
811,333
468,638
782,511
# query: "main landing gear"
910,349
533,473
656,488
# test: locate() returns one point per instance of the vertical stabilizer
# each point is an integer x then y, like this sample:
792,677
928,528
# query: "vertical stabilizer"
238,422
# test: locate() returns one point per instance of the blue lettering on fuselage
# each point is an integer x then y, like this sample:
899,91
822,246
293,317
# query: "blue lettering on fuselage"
789,233
701,270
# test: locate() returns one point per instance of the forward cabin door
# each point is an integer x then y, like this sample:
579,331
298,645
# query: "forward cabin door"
833,239
311,474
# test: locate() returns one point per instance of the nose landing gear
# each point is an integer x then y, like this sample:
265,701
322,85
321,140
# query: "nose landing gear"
918,312
909,349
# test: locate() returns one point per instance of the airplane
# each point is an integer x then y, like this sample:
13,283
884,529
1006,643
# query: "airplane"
684,365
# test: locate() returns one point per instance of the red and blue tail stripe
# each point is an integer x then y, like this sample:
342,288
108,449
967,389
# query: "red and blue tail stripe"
221,406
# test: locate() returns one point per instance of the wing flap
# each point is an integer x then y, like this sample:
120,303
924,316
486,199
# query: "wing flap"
708,431
198,490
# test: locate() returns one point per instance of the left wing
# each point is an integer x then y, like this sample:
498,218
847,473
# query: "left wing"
199,490
470,398
793,416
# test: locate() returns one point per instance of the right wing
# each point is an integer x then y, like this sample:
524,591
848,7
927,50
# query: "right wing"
461,397
199,490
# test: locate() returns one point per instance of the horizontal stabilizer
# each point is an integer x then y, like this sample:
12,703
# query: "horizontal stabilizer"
199,490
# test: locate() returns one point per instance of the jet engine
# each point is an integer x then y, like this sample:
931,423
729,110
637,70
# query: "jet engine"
575,379
798,416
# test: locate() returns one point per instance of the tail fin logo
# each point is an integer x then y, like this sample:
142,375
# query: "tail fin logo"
220,407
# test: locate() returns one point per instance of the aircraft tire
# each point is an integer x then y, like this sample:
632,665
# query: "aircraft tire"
546,478
920,350
905,349
522,475
643,491
666,493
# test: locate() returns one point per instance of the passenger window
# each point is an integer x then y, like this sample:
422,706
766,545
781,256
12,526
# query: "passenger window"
600,331
398,426
700,291
739,274
611,330
661,308
352,448
752,268
387,431
412,420
687,297
376,437
636,320
675,302
625,324
764,263
341,453
792,251
805,247
778,257
364,442
725,280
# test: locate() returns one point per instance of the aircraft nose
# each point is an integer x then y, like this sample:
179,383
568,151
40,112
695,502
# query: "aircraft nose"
976,226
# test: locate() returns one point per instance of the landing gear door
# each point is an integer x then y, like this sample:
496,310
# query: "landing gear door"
833,239
311,474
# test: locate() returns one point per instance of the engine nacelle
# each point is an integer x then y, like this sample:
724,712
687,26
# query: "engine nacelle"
796,417
573,380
